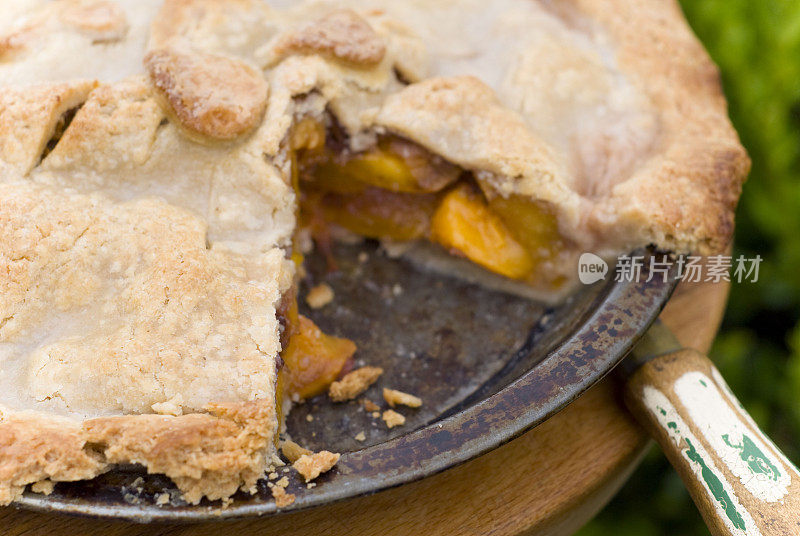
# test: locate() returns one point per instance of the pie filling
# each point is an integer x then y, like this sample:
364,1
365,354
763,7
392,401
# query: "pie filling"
399,191
312,358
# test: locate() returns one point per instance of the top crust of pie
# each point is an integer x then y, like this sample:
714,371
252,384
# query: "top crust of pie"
559,102
139,292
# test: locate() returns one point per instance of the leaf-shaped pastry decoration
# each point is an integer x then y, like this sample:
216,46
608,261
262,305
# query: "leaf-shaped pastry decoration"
216,96
342,34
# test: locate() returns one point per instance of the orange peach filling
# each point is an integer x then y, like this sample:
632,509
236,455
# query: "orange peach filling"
464,223
377,213
313,359
398,190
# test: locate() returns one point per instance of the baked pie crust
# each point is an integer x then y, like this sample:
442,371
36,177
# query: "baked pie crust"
151,157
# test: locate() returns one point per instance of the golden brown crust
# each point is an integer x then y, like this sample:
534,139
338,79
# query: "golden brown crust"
28,119
209,455
215,96
77,240
354,383
115,127
341,34
684,197
35,447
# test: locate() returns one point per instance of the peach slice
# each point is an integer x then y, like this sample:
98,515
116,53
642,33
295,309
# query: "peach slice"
531,223
465,224
383,169
394,164
377,213
314,359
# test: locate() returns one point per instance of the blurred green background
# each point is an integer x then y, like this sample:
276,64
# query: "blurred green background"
757,46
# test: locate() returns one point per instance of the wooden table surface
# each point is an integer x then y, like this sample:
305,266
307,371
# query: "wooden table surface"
549,481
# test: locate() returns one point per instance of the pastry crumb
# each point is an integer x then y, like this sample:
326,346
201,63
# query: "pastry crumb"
309,417
173,406
45,487
394,398
272,476
319,296
281,496
392,418
311,466
376,414
369,405
311,485
162,499
361,436
354,383
283,482
293,451
363,257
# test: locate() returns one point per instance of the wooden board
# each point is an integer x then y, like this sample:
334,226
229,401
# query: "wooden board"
550,481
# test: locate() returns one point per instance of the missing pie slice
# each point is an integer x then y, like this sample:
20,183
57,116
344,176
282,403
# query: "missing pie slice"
161,162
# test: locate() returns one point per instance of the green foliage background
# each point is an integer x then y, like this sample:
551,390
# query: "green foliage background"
757,46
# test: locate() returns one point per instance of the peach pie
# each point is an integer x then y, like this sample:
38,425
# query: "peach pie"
163,162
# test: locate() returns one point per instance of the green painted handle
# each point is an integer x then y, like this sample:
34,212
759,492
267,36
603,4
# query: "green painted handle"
739,480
